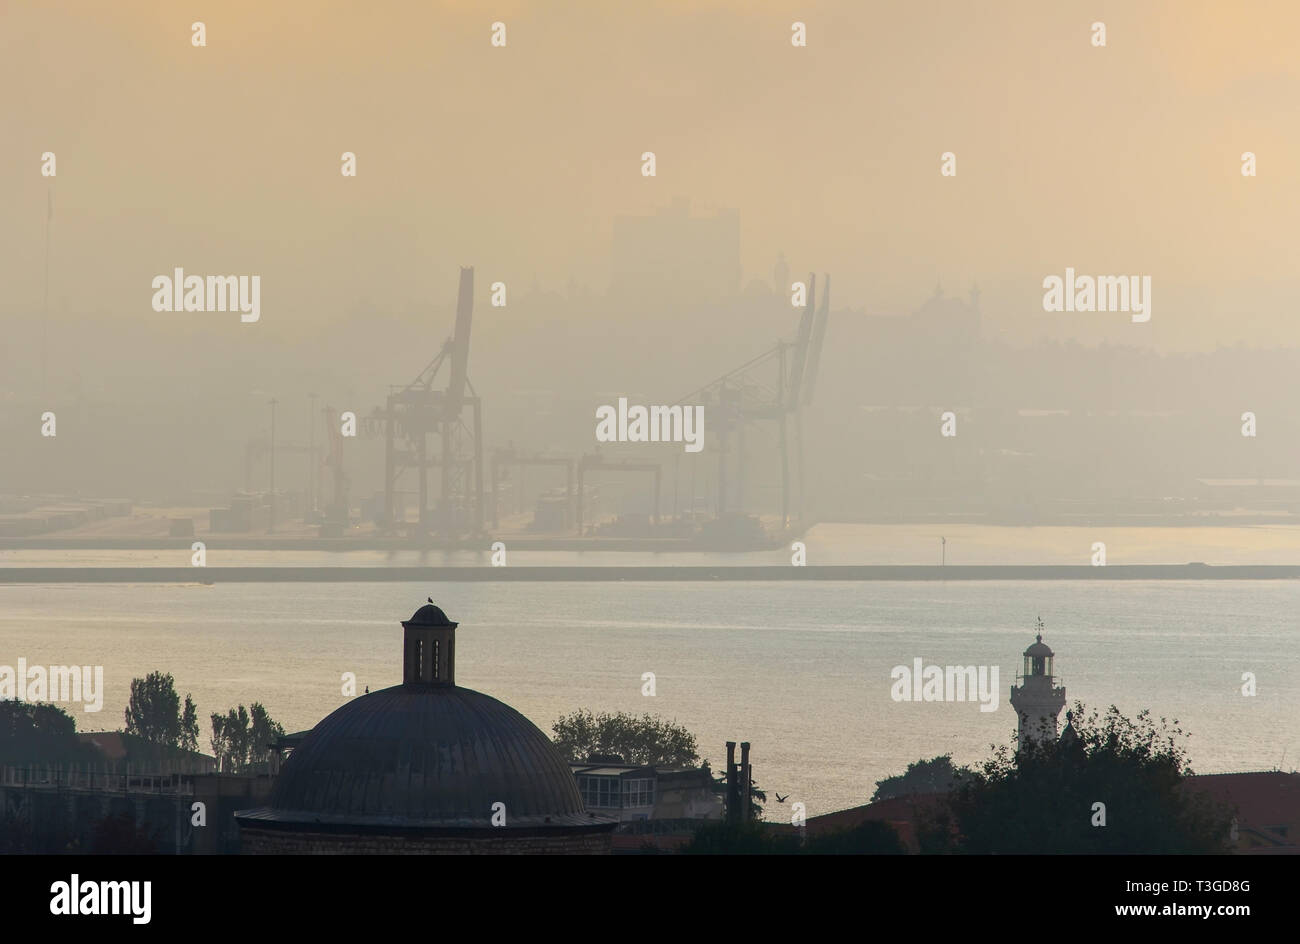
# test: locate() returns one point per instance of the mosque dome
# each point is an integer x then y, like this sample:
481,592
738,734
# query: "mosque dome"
426,758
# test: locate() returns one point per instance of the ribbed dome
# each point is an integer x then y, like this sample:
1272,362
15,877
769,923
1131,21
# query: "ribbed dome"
419,756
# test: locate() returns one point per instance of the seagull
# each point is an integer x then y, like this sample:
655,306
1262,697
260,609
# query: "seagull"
430,599
781,799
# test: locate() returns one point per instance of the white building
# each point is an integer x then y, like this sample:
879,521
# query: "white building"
1037,699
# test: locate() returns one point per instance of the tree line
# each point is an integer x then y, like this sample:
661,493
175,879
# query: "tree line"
242,738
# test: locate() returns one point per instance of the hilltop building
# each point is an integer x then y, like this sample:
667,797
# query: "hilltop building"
425,767
948,320
636,792
674,257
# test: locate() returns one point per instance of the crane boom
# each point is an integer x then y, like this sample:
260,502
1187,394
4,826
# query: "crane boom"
801,343
460,341
818,336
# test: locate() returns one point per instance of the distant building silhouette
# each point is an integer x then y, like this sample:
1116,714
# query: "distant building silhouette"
949,320
675,257
781,276
1037,700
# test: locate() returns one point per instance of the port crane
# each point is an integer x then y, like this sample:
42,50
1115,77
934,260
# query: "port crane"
453,417
774,386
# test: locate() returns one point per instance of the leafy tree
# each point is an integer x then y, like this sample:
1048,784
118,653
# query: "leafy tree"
230,740
28,719
189,739
39,732
757,796
220,741
644,741
154,711
870,837
744,838
936,775
262,734
1041,798
242,738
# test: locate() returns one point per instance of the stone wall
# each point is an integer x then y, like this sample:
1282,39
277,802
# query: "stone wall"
47,816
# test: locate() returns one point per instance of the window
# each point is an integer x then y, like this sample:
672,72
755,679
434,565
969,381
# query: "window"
417,660
435,660
599,792
638,793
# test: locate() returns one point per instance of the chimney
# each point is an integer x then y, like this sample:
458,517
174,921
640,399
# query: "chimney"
733,792
747,780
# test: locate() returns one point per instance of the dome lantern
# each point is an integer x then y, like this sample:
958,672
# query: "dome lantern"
1038,700
429,648
1038,657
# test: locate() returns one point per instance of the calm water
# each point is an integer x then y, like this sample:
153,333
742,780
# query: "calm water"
800,670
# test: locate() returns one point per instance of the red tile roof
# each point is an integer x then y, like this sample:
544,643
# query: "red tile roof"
1267,805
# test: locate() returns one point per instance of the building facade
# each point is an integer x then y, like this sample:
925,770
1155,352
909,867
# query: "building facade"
634,793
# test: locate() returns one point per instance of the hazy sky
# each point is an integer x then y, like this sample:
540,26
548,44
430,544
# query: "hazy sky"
1115,160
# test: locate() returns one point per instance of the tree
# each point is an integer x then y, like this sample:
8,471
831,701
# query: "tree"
189,738
936,775
748,837
220,741
645,741
230,740
1043,798
262,734
870,837
21,720
242,738
719,786
40,733
154,712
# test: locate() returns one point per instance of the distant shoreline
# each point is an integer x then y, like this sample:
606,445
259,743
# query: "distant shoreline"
42,575
536,542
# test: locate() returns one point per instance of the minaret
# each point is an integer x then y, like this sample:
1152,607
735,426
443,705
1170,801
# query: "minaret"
429,648
1036,699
